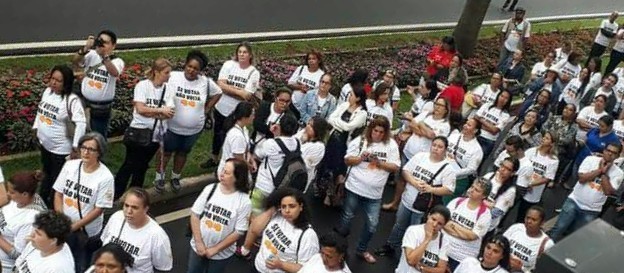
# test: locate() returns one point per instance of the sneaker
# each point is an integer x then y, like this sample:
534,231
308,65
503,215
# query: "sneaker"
159,185
175,185
210,163
385,251
558,210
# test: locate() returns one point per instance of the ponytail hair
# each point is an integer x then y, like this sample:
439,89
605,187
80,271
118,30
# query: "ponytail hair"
243,110
158,65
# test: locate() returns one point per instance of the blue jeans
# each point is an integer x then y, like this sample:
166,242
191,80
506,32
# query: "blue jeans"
371,208
404,219
197,264
571,218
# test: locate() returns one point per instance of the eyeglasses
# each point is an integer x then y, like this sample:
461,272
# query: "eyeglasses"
88,149
440,104
611,151
326,82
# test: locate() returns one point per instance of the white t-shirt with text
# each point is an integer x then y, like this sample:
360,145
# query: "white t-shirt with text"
247,79
435,251
98,85
423,169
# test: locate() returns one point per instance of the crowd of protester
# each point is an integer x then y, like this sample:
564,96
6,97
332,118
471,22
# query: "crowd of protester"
460,160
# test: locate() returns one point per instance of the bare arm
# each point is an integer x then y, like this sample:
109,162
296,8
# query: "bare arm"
58,202
86,219
460,232
233,90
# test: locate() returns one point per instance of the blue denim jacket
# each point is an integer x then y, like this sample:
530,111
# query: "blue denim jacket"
308,106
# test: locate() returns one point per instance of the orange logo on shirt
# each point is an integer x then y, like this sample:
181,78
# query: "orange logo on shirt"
70,202
45,120
213,225
95,84
595,185
270,246
188,103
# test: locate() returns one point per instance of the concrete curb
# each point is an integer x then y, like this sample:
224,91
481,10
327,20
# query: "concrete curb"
49,47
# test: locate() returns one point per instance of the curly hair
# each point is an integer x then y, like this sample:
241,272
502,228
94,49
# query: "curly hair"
55,225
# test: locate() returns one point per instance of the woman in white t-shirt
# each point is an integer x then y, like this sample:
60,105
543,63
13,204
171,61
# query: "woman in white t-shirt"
527,240
493,258
219,217
331,258
312,137
424,246
84,189
574,91
357,80
152,105
307,76
47,250
58,107
237,140
470,220
426,174
569,68
193,95
378,103
288,240
588,117
539,69
594,66
545,163
347,121
110,258
424,128
423,96
493,118
17,217
139,234
503,194
465,155
388,77
240,81
371,158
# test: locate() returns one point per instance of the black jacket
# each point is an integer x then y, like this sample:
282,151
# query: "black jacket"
259,123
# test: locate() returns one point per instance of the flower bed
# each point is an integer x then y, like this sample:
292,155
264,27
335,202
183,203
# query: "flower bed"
21,91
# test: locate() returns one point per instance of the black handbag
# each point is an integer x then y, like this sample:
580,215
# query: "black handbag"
425,201
143,136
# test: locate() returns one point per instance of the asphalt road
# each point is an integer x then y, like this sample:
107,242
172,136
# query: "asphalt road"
323,220
60,20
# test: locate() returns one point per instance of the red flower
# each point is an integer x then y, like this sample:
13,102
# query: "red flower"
15,83
24,94
9,94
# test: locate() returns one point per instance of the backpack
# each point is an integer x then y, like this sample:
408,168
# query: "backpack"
293,172
482,206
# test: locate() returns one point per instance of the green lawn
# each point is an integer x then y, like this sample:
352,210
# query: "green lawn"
268,49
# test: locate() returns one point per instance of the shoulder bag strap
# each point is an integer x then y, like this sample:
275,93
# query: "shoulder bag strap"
436,174
160,102
77,188
300,70
362,139
123,224
299,243
214,188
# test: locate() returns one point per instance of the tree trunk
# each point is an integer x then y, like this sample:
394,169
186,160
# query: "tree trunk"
468,26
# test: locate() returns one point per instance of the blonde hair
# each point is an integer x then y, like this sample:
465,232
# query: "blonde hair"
158,65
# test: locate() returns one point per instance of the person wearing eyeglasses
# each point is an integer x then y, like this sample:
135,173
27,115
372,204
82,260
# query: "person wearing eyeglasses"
84,188
598,177
269,114
58,110
306,77
539,69
318,102
101,69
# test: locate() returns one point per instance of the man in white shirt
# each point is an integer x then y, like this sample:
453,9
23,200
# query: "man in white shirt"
598,178
101,70
514,35
606,33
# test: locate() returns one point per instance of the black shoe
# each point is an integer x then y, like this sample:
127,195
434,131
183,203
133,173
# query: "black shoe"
210,163
159,186
385,251
175,185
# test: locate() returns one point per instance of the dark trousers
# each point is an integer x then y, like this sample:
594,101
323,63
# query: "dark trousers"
52,165
135,165
596,51
219,133
513,4
523,207
614,59
100,124
82,254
